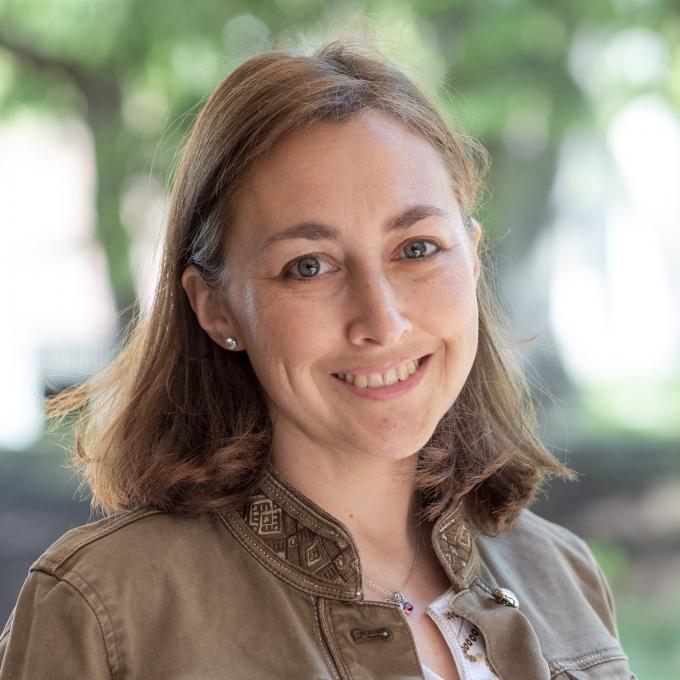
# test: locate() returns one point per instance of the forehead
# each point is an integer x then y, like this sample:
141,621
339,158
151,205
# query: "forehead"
363,169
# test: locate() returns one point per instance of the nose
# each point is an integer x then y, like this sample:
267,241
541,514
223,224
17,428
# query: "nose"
377,312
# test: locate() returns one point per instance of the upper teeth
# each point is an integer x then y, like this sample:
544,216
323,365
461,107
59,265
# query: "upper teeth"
399,373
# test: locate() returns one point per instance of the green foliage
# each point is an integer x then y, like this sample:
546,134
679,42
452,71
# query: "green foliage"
136,71
649,626
612,558
650,629
632,408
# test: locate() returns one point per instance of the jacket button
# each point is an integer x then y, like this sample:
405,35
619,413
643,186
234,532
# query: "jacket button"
505,596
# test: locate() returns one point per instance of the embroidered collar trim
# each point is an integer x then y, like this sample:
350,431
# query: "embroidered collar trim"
312,550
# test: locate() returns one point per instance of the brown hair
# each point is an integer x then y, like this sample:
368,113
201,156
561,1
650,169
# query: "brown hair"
179,424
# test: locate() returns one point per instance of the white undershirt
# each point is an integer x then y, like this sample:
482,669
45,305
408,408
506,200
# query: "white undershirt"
471,664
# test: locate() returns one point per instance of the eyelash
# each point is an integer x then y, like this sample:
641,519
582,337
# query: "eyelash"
289,267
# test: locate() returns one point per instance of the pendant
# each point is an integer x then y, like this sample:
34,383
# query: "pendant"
405,605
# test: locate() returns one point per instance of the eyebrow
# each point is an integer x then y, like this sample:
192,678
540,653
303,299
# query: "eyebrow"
314,231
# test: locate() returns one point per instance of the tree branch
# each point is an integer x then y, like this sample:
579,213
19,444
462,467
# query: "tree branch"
33,57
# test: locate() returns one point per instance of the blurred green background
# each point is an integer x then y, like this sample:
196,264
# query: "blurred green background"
578,104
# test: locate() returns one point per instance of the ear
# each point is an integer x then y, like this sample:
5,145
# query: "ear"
475,238
210,308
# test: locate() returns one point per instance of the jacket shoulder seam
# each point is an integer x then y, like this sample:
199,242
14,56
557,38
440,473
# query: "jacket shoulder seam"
53,559
79,584
5,633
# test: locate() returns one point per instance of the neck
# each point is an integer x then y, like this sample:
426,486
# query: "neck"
373,497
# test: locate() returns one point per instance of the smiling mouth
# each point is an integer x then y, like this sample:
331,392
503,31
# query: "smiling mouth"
399,373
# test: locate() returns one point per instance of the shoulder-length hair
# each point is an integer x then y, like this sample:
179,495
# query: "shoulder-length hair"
179,424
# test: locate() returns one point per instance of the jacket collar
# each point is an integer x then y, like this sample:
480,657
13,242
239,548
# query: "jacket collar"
310,549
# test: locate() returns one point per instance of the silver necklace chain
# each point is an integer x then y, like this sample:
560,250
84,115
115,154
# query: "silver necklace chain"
398,595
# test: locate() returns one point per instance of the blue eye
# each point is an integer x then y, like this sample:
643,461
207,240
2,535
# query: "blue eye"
305,268
418,249
311,267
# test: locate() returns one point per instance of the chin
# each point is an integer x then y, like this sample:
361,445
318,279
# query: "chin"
395,447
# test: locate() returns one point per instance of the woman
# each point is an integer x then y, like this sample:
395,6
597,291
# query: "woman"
319,459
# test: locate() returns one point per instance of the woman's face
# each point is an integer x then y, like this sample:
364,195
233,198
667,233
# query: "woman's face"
349,257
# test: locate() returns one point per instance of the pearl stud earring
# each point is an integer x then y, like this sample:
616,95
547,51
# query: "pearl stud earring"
230,343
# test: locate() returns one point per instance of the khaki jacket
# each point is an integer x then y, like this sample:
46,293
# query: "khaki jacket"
272,590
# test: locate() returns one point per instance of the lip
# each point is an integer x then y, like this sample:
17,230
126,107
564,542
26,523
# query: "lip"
387,391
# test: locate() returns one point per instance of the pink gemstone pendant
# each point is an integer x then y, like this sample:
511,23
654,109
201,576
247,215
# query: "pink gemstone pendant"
405,605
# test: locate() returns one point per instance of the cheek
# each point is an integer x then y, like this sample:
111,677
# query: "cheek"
284,332
449,305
